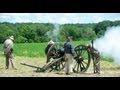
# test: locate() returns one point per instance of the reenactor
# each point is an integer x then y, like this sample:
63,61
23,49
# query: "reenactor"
50,43
8,52
69,52
95,54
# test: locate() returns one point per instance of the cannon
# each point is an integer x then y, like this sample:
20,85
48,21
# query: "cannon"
55,56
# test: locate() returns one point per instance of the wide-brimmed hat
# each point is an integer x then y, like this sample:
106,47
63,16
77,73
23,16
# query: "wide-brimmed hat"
51,42
11,37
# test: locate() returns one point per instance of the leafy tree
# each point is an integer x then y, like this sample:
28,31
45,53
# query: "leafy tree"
101,27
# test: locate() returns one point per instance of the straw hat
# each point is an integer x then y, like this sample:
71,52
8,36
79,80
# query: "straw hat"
11,37
51,42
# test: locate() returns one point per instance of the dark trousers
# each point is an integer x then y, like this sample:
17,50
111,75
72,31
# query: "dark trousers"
96,64
9,58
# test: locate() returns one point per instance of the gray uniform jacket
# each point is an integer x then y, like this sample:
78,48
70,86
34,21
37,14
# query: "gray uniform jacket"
8,46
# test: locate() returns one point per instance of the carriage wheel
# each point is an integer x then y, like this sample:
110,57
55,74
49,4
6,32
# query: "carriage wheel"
51,55
82,59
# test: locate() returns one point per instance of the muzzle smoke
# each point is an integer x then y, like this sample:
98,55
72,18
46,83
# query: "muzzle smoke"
109,44
54,33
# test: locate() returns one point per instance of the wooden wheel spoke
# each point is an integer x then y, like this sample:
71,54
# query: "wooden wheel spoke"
78,67
83,65
83,52
84,62
82,58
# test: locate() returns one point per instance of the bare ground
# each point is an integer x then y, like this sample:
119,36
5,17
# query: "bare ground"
108,69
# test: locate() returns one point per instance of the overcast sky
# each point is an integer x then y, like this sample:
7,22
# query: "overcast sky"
60,18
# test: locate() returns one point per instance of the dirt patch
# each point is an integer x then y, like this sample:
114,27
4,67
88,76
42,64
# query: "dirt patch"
108,69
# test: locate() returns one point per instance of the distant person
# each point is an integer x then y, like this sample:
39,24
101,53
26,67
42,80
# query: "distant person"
69,51
8,52
50,43
96,58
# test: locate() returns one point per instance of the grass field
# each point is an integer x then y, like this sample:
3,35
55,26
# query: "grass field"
34,49
37,49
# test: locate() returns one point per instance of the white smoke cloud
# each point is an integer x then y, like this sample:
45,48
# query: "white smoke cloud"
109,44
54,33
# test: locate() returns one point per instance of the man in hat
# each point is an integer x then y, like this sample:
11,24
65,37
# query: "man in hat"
69,52
50,43
96,58
8,52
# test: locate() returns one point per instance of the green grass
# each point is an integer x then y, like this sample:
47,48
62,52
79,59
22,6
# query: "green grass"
33,49
30,49
37,49
75,43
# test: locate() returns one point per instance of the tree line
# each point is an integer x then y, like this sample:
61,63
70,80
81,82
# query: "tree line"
38,32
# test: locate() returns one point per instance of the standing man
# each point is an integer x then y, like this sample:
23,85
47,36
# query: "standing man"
8,52
96,58
69,51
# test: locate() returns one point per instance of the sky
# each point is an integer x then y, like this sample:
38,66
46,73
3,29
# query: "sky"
60,18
